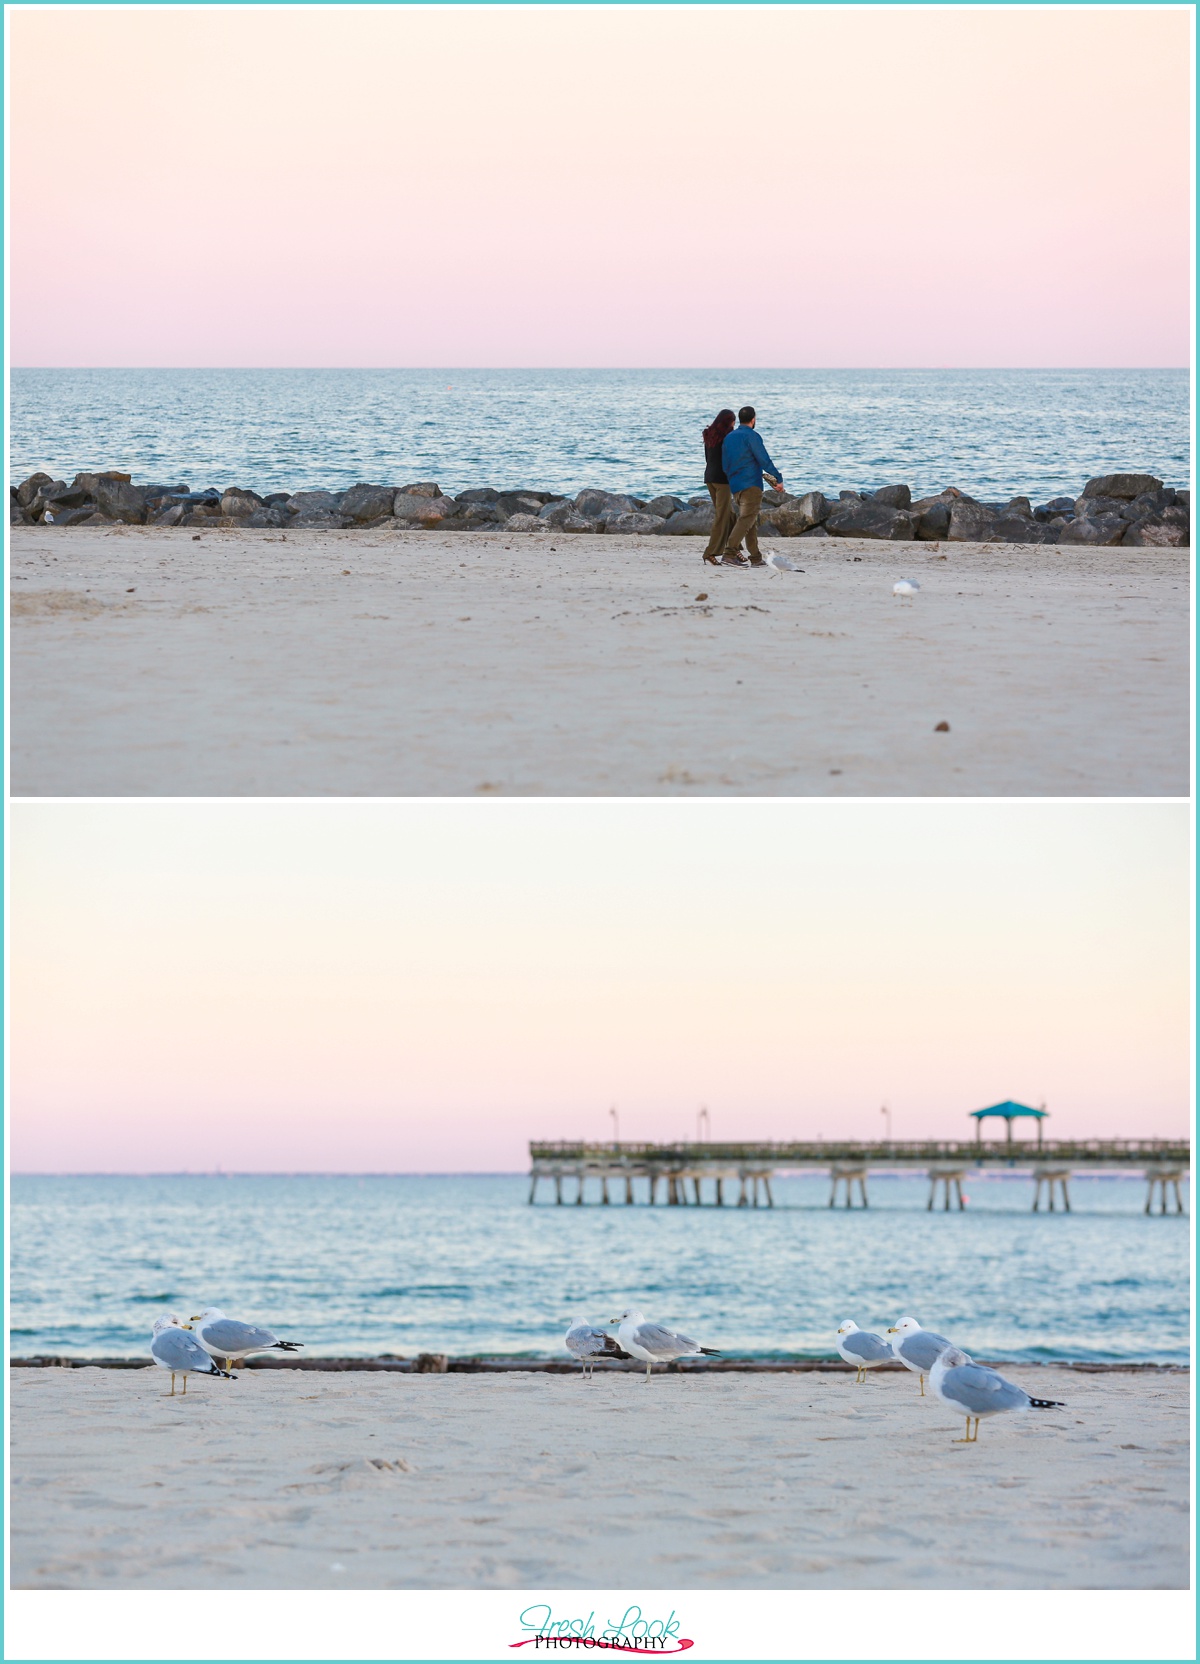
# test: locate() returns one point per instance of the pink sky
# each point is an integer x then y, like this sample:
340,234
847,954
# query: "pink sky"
426,986
570,186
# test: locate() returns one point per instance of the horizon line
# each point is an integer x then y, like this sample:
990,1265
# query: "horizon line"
442,1173
714,369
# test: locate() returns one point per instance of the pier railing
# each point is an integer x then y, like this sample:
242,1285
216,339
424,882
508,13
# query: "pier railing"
1119,1152
1051,1162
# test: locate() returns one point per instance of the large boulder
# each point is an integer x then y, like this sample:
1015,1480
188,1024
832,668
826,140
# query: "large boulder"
596,503
264,517
854,518
70,516
239,504
478,494
1096,506
425,510
367,502
473,515
56,496
970,522
1170,528
118,500
633,522
1100,529
165,513
89,482
158,495
313,502
519,502
1021,528
1121,485
695,521
892,496
932,517
557,512
664,506
62,495
524,523
1150,502
423,488
800,514
31,488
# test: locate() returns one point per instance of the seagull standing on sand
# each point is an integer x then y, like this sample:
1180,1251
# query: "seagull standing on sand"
588,1344
976,1391
654,1343
224,1337
862,1349
781,563
917,1349
174,1347
906,586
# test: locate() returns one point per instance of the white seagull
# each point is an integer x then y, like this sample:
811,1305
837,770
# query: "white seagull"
974,1390
862,1349
174,1347
906,586
781,563
917,1349
656,1344
588,1344
224,1337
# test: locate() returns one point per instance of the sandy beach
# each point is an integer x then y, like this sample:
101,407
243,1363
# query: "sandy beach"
294,1479
416,663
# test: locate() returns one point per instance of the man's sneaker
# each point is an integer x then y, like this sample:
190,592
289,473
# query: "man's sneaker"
733,560
757,560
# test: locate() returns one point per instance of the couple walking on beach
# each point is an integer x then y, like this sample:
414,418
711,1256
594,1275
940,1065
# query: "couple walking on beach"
735,461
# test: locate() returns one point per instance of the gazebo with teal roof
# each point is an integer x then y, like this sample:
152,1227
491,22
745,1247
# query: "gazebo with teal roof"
1010,1112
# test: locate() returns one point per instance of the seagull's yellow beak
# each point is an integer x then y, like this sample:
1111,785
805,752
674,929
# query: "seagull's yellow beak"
891,1331
195,1317
185,1325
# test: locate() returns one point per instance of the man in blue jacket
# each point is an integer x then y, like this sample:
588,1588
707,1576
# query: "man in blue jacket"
745,461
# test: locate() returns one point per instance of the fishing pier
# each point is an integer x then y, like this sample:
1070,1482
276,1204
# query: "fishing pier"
721,1175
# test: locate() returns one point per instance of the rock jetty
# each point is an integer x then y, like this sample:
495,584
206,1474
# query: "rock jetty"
1135,510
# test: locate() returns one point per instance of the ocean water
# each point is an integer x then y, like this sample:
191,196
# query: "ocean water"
992,433
358,1266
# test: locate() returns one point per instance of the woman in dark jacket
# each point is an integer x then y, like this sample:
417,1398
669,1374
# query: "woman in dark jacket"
718,486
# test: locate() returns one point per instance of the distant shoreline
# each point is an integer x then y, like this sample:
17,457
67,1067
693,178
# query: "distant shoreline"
438,1364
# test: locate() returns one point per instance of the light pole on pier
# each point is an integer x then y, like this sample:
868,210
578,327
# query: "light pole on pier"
887,1116
616,1125
703,1126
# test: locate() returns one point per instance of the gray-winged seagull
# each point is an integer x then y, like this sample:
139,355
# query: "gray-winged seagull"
174,1347
655,1343
861,1348
917,1349
976,1391
224,1337
589,1343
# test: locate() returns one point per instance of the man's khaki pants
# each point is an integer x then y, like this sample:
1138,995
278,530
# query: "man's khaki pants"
745,526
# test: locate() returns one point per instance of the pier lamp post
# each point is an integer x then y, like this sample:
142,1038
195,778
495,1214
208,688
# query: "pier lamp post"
887,1117
703,1130
616,1125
